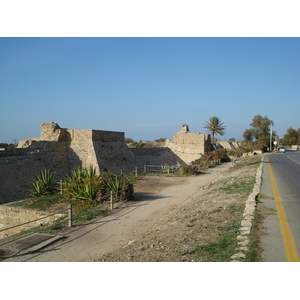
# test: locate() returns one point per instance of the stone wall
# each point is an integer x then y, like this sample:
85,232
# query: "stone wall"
228,145
189,146
155,156
17,172
61,150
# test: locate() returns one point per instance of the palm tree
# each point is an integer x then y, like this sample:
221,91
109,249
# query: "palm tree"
215,126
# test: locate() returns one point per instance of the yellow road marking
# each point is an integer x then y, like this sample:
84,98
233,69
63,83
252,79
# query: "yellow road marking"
287,236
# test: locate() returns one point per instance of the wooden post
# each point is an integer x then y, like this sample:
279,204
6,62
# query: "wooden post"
121,171
145,168
136,171
111,200
70,215
61,186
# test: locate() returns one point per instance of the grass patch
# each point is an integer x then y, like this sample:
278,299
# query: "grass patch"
42,203
80,214
61,224
251,161
218,251
239,186
254,253
89,214
51,228
233,227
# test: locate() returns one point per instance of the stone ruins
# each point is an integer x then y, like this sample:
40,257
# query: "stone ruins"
63,150
189,146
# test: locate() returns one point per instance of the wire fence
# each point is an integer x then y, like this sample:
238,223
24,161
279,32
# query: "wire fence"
138,170
64,216
70,211
146,169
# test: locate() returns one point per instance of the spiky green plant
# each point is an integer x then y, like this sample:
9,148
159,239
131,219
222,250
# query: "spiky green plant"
44,184
83,185
120,186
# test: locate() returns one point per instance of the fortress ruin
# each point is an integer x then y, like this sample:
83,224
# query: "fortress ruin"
189,146
62,150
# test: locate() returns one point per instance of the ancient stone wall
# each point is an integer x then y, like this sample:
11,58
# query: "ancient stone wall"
155,156
189,146
17,172
227,145
61,150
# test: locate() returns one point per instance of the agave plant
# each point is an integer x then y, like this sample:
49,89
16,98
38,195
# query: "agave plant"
83,185
120,186
44,184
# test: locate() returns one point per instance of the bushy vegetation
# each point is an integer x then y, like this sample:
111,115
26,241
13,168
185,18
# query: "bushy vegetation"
259,133
145,144
186,170
120,185
210,159
170,168
85,186
44,184
292,137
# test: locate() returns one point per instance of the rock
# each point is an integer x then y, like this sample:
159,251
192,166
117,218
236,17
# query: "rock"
129,243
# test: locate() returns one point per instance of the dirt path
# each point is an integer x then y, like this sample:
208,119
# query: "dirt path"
94,241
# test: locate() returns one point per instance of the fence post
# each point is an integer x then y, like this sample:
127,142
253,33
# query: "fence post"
145,168
70,215
111,200
61,186
121,171
136,171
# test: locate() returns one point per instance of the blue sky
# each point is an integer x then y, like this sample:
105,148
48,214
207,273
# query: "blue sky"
147,87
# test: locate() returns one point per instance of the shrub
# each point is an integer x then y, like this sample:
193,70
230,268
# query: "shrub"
83,185
186,170
262,147
44,184
221,154
209,159
120,185
170,168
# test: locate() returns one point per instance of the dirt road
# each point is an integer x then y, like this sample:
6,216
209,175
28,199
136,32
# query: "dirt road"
124,227
91,242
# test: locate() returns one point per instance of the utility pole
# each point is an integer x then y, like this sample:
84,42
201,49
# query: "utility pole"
271,134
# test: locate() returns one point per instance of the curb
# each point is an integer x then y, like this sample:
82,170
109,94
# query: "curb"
246,224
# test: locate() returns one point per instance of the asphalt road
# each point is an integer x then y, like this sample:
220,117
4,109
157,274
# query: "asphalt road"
281,236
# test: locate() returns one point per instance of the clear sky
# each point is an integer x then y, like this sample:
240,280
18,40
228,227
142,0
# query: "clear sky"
147,87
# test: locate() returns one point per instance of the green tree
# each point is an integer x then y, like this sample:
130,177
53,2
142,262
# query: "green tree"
260,131
292,137
215,126
248,135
